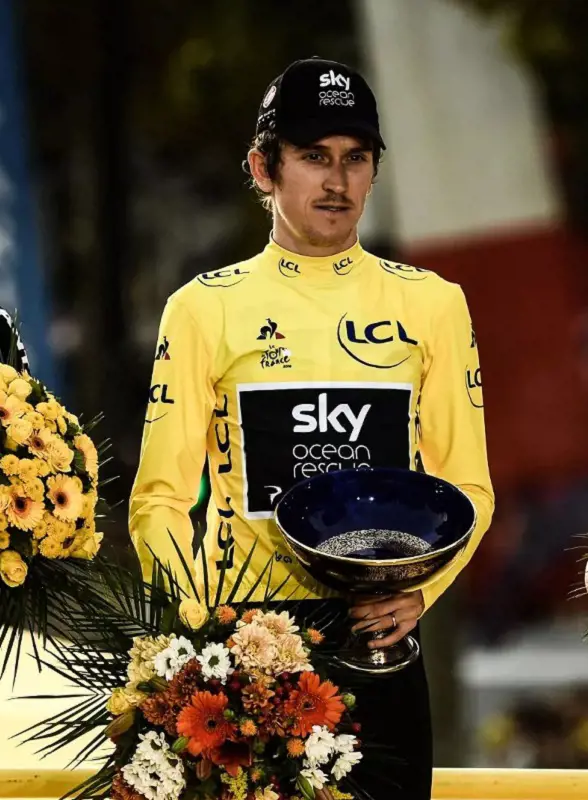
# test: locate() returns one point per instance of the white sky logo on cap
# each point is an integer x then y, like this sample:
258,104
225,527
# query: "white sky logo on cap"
269,96
330,79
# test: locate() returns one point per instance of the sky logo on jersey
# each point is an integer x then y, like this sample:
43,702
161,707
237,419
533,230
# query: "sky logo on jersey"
289,269
382,345
292,431
270,331
404,271
224,278
311,417
163,351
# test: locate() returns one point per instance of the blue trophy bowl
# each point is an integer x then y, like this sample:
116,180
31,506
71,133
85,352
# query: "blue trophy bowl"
375,531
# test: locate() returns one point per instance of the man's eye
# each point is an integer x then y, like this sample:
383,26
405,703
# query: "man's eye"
313,156
355,157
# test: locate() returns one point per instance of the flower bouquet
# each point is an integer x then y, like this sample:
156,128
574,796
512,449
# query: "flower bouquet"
200,698
48,498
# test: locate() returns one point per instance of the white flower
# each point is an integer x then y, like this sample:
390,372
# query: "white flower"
345,743
315,776
345,764
154,771
171,660
319,746
216,662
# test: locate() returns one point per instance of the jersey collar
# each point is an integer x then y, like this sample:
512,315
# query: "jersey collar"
316,269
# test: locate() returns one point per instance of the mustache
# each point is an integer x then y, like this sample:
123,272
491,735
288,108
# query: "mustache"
335,200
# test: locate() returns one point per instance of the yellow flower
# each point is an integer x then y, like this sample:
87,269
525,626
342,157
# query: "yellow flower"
3,522
266,794
37,420
72,419
61,426
34,547
23,512
193,614
42,468
85,445
65,496
35,489
13,570
11,408
40,530
8,373
19,431
20,388
4,540
86,545
124,699
39,443
50,547
89,507
62,531
50,410
58,455
27,469
10,465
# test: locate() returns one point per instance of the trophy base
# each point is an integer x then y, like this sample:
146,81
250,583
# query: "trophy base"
380,660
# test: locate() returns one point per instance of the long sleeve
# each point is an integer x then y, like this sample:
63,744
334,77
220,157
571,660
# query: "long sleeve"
452,433
173,451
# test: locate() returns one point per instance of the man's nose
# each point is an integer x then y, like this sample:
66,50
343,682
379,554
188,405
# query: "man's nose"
336,179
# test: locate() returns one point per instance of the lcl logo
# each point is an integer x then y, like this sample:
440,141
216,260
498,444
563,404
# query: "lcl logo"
356,339
288,268
344,266
158,393
473,381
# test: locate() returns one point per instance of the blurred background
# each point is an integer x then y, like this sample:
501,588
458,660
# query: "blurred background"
123,126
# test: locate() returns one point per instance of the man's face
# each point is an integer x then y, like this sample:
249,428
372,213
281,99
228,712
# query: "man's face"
321,190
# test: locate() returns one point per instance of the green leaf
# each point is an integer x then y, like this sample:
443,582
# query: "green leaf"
180,744
305,786
121,724
170,617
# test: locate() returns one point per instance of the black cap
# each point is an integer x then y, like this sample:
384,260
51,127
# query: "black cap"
314,98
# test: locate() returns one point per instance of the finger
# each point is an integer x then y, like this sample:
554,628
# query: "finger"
376,610
394,637
372,598
378,624
387,621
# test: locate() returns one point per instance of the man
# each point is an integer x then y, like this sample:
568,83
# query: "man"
314,355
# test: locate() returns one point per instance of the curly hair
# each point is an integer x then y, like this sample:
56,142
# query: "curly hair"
270,145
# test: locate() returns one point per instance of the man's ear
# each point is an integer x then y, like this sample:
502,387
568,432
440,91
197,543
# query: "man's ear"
258,168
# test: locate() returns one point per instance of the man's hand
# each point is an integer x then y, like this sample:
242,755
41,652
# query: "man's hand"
399,611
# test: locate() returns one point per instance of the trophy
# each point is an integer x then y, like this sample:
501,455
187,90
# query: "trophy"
374,532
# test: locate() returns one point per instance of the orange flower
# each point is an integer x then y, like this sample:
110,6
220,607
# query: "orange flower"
248,728
226,615
204,724
295,748
247,616
231,756
314,703
314,636
256,696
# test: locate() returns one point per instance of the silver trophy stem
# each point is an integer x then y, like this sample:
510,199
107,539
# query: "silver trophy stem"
358,656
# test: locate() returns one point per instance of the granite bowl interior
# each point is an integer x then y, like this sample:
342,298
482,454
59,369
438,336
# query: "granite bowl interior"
427,512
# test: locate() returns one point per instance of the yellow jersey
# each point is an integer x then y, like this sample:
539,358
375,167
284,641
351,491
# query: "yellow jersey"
285,366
